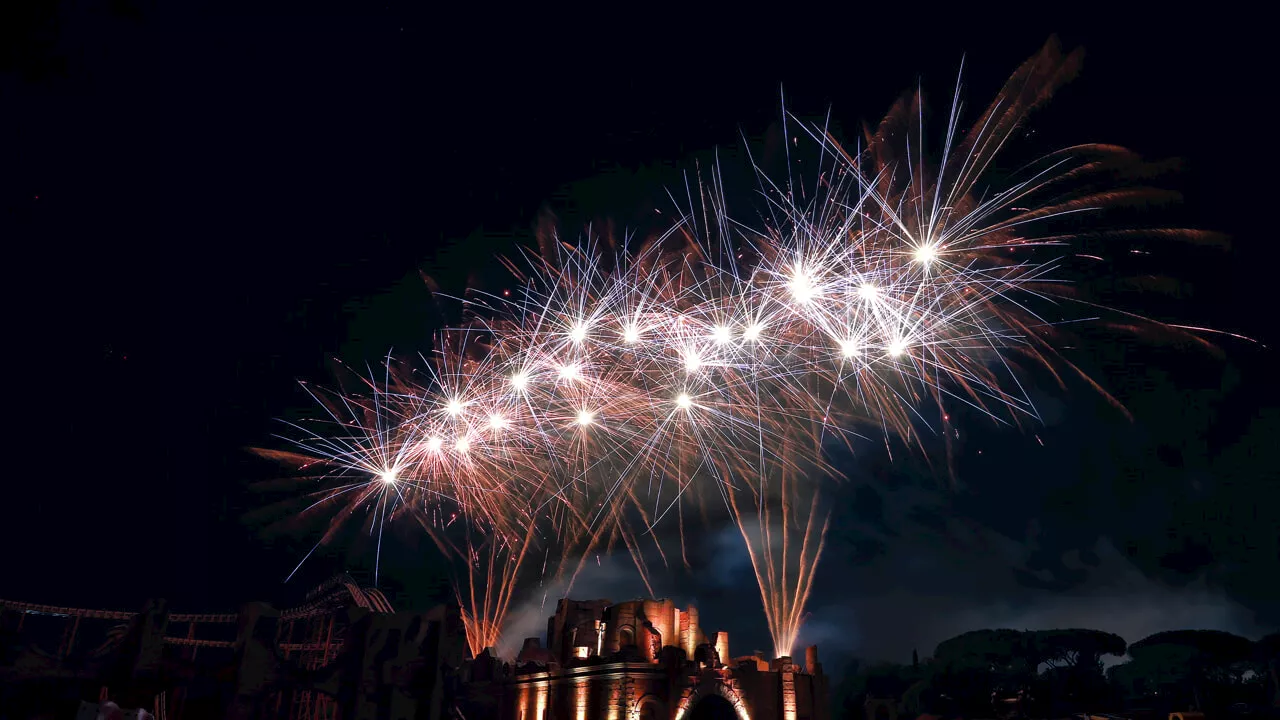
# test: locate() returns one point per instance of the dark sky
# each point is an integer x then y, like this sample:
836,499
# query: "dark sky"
201,207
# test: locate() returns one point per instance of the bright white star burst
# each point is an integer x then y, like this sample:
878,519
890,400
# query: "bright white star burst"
926,253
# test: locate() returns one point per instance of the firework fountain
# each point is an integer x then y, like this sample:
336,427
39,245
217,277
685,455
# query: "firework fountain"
717,362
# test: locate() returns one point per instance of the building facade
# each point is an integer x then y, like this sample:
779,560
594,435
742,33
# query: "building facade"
647,660
347,655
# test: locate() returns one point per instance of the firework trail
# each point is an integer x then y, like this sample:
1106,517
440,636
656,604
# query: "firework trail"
717,363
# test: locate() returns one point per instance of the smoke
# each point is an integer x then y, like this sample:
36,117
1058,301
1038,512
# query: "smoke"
613,577
907,566
887,609
913,596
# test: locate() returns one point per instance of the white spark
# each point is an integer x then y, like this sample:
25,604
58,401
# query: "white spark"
926,253
802,285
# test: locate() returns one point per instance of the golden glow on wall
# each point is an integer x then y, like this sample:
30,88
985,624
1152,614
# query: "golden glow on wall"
580,697
676,638
788,696
615,699
582,651
540,707
690,634
728,694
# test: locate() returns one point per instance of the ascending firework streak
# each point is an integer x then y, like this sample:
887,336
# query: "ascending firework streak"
627,380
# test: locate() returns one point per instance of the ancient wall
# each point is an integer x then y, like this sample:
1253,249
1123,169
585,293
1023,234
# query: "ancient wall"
371,663
576,624
653,661
345,654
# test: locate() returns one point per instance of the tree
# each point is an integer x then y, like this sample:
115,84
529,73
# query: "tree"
1184,665
881,680
1267,653
998,651
972,667
1074,676
982,665
1076,648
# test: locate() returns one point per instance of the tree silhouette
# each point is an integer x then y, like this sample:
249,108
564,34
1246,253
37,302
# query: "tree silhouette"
971,668
1184,665
1074,674
1076,648
1267,652
1056,672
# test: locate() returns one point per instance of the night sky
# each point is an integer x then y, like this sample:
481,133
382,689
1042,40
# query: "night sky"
201,207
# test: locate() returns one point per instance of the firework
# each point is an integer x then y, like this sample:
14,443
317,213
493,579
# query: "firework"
716,362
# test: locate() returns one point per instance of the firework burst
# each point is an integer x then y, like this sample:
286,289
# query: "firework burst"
717,362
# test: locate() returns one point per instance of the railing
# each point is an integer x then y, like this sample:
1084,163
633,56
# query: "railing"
306,634
34,609
321,601
316,608
79,614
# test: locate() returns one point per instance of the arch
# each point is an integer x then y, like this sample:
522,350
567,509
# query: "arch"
712,706
340,591
626,636
880,709
708,689
651,707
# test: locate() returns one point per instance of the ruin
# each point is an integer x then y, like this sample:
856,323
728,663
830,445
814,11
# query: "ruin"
641,660
346,653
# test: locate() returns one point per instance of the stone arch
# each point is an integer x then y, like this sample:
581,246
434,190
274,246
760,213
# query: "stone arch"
707,689
626,636
651,707
881,709
712,707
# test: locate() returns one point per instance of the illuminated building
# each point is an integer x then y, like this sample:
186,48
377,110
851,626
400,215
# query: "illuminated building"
346,653
650,660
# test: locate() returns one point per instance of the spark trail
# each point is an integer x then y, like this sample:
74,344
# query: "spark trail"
717,362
